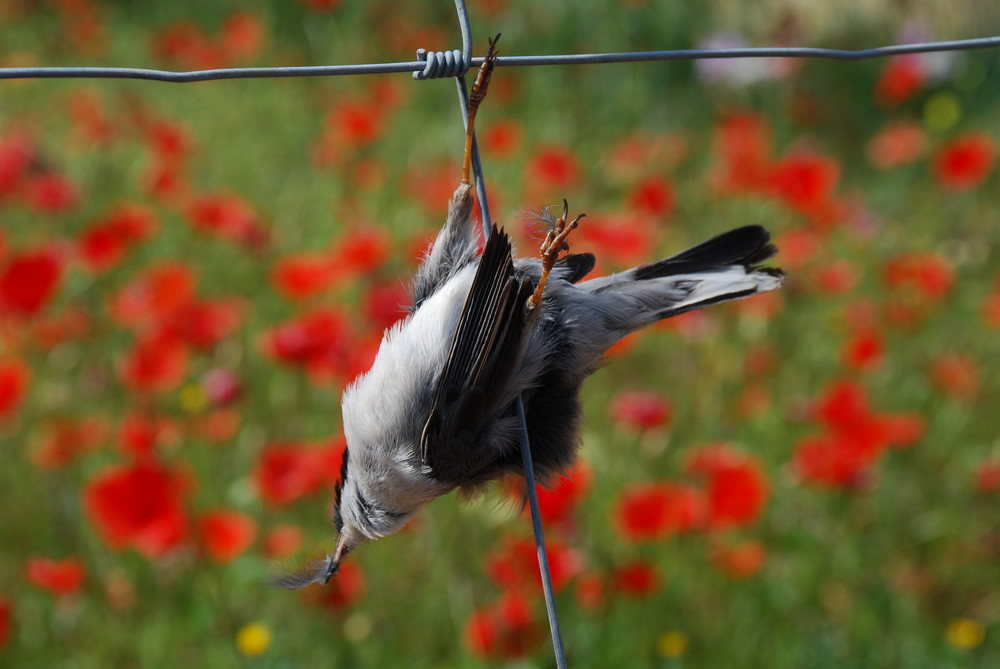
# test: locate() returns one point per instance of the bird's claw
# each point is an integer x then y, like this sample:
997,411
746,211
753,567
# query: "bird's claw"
552,246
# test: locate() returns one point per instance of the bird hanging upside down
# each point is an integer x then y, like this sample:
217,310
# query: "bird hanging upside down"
436,411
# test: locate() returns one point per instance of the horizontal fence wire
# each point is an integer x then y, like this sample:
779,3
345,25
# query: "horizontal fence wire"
503,61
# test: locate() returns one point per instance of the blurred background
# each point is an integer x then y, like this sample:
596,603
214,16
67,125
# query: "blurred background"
190,275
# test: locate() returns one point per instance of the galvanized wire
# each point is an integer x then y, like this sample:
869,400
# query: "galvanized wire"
421,65
529,468
453,63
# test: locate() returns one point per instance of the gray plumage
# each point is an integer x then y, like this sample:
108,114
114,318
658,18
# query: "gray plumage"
436,410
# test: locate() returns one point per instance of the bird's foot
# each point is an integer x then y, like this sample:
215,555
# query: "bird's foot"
552,246
476,97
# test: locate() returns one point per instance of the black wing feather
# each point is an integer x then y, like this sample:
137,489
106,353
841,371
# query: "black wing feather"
745,246
578,265
481,363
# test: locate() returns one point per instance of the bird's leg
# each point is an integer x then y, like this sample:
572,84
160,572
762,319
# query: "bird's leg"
475,98
555,242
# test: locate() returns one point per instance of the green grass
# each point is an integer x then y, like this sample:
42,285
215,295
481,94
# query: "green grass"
853,578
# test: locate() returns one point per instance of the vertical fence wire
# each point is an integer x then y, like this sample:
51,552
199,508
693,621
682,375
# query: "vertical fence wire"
531,489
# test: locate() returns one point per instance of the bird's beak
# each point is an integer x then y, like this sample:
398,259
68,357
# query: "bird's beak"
344,546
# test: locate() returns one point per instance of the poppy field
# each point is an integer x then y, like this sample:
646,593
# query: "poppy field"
190,275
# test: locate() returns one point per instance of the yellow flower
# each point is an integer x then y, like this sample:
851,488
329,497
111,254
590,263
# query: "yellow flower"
942,111
672,644
193,398
965,633
253,639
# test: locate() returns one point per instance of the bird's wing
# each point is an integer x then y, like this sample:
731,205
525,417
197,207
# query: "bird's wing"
481,364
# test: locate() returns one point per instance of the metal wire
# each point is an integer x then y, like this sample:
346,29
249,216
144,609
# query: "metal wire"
421,66
449,63
531,489
536,525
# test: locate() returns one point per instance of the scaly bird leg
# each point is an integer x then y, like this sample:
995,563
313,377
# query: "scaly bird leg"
555,242
475,98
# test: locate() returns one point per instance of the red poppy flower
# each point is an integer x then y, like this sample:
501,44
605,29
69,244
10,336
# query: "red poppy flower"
901,77
6,616
58,577
66,439
622,240
164,181
553,168
516,564
740,561
138,505
203,324
286,472
653,196
29,281
965,161
737,488
798,246
354,123
229,217
154,296
359,360
925,272
863,350
842,405
217,426
505,630
50,193
635,579
502,138
903,429
282,541
955,375
743,142
318,340
156,363
835,460
169,141
805,182
17,153
987,476
14,379
385,303
897,144
837,277
242,36
303,275
641,410
590,592
104,243
991,308
654,511
226,534
360,251
186,44
557,503
140,433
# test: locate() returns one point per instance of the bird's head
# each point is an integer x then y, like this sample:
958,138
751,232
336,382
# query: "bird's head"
360,514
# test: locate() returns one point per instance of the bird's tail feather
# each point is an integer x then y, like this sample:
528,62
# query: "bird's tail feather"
723,268
747,246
